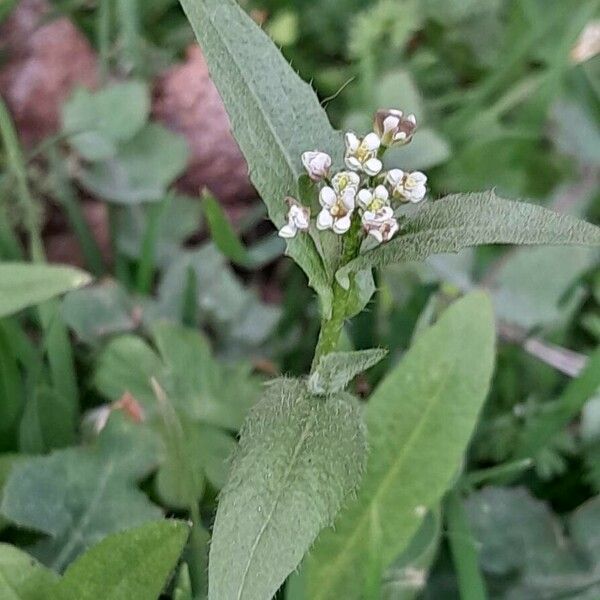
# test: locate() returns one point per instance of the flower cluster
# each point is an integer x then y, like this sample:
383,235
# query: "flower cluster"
363,191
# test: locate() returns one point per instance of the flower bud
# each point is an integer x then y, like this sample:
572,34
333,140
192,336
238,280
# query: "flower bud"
298,219
317,164
393,127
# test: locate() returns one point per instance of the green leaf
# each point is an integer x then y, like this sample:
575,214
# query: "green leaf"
23,284
419,422
142,169
22,577
199,386
462,220
131,565
99,121
99,311
298,459
337,369
275,116
79,495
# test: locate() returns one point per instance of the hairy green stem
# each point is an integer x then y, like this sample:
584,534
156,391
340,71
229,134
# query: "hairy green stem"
331,328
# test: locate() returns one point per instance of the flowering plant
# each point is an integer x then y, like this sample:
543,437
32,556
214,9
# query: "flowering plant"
301,461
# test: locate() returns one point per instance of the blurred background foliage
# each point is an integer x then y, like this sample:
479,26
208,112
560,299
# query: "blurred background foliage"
507,94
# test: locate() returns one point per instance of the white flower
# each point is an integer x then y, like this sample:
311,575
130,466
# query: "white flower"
298,219
373,200
393,127
407,186
317,164
338,202
361,155
380,224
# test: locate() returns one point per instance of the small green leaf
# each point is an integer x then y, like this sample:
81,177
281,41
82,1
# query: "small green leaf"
265,100
419,422
298,458
23,284
99,121
141,170
464,220
130,565
79,495
337,369
22,577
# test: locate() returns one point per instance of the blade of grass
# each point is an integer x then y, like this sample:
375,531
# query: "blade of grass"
65,195
56,337
145,271
493,474
103,37
463,549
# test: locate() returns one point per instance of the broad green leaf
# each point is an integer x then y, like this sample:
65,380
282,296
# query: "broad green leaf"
99,311
79,495
199,386
462,220
131,565
24,284
298,458
7,462
142,169
337,369
275,116
22,577
419,422
180,217
99,121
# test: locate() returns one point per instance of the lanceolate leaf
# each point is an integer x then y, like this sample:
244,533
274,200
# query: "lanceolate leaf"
419,422
337,369
133,564
275,115
298,458
463,220
24,284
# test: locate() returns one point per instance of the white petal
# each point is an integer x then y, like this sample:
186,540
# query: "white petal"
400,136
342,225
381,192
394,176
353,163
376,234
418,177
395,112
352,142
301,221
364,198
369,218
354,178
412,119
390,123
327,197
372,141
287,231
348,198
372,166
307,157
417,194
324,220
386,213
393,229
